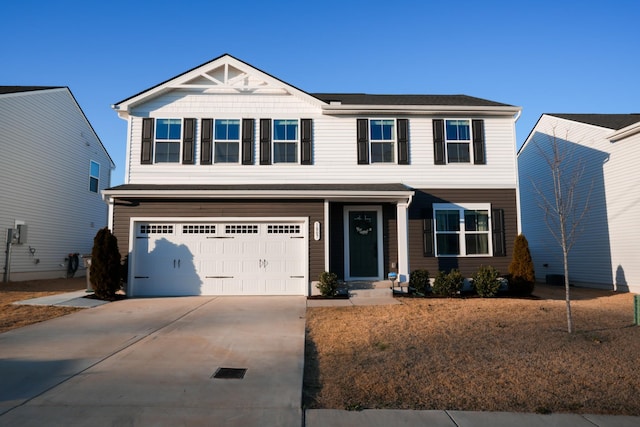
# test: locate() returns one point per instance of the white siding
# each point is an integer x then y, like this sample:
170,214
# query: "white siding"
47,146
604,253
334,147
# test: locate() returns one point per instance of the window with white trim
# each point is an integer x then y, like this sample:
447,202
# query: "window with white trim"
458,140
285,141
383,140
227,141
462,230
168,140
94,176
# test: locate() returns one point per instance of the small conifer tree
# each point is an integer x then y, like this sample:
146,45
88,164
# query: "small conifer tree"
521,269
105,265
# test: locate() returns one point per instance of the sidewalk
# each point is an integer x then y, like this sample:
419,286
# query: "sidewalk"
67,299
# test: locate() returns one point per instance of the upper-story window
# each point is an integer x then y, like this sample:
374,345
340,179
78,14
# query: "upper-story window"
383,140
458,141
167,141
227,141
94,176
285,141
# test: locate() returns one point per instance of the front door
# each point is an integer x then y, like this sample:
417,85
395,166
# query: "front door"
364,245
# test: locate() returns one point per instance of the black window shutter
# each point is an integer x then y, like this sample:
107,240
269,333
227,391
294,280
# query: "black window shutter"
427,233
403,141
363,141
305,141
265,141
497,225
206,141
438,141
146,155
187,141
247,141
478,142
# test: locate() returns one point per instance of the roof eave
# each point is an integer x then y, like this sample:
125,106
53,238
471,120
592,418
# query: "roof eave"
625,132
264,194
335,109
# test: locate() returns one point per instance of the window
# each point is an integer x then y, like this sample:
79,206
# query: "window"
383,138
458,139
285,141
227,141
167,142
462,230
94,177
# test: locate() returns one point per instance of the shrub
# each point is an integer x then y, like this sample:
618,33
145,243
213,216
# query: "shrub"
105,269
485,281
448,284
522,276
419,281
328,284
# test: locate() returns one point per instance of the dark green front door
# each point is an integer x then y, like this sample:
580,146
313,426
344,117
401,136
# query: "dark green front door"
363,244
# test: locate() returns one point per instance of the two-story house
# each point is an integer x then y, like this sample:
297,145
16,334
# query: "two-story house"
601,150
53,167
238,183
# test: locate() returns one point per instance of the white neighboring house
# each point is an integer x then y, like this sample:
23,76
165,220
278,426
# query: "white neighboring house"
238,183
52,169
606,252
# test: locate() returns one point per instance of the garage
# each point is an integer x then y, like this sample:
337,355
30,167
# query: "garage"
251,256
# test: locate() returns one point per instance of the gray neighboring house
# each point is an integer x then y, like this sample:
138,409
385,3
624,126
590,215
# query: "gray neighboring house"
53,168
606,253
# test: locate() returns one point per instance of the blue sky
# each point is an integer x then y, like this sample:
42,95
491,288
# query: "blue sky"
545,56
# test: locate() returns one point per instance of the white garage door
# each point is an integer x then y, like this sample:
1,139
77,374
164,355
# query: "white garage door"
219,258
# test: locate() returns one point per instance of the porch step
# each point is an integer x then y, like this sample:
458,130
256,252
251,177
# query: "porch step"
371,293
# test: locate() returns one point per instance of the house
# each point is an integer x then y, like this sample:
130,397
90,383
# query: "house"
239,183
52,169
604,149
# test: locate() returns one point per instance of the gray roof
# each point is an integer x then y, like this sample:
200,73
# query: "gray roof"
18,89
377,99
392,187
609,121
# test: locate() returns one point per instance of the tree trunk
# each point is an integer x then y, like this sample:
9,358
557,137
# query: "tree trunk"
567,294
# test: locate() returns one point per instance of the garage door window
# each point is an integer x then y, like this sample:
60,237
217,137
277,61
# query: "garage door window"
283,229
156,229
241,229
199,229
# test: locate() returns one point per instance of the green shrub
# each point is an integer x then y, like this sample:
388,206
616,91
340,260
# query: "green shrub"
419,281
105,270
522,276
448,284
328,284
485,281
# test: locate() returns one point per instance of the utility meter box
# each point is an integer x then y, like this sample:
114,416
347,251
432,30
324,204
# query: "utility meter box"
22,233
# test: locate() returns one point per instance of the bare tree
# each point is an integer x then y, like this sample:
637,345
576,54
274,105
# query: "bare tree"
564,206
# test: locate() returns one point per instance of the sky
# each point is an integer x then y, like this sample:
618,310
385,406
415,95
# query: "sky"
544,56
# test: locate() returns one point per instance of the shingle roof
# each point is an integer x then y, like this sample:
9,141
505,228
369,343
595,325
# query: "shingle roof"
377,99
17,89
610,121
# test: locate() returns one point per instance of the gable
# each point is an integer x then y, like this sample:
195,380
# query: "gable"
223,75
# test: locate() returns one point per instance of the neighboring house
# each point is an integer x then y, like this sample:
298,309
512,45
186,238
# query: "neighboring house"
52,169
606,148
239,183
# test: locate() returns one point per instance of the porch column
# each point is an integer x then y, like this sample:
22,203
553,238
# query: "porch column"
403,241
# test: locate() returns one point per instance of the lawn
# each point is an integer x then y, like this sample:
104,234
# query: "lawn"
501,354
15,316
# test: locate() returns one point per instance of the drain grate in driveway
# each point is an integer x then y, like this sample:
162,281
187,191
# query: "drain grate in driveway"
230,373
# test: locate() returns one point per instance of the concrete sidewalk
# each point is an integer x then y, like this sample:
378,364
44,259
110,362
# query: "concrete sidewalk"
67,299
408,418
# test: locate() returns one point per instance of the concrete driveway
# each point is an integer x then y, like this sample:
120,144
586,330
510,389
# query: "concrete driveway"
152,362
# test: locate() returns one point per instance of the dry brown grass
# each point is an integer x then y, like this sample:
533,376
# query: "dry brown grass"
477,354
15,316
